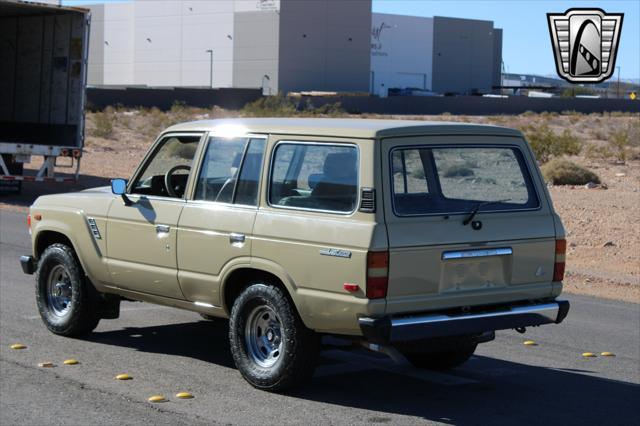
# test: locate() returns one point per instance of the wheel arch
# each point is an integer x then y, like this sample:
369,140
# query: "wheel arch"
47,237
239,278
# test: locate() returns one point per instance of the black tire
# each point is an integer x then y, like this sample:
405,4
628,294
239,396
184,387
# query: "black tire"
81,314
298,348
454,356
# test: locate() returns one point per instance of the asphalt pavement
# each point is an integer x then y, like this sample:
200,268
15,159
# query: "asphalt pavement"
167,351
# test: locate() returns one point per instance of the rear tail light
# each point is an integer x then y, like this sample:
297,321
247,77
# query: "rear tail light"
559,265
377,274
64,152
77,153
29,223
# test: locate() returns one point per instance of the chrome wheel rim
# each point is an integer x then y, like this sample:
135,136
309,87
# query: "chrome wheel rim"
263,336
59,290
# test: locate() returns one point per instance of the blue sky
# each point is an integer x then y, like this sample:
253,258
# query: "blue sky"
526,46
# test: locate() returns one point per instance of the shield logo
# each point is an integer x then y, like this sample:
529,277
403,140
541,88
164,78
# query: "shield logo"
585,43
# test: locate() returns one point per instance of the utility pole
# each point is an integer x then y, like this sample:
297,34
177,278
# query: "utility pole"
618,82
210,52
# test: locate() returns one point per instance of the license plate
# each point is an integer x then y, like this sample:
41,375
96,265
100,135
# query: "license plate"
23,158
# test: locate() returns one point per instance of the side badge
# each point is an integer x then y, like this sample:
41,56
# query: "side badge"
335,252
94,228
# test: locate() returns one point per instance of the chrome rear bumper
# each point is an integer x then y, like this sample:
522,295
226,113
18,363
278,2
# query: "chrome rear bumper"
392,329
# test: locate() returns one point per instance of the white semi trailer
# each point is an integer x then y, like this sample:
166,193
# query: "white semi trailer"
43,75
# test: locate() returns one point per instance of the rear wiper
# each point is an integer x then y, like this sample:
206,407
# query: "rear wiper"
477,208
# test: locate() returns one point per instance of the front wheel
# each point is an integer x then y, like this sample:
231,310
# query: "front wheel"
63,295
271,347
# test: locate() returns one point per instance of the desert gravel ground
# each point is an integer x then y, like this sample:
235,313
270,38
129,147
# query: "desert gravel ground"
603,225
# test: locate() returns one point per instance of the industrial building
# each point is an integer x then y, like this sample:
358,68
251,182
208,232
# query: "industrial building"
442,55
289,45
282,45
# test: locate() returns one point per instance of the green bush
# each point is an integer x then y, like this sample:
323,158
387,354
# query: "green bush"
270,106
620,143
103,124
564,172
546,144
597,152
284,106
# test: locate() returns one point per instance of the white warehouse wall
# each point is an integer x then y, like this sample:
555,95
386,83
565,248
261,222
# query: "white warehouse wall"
165,42
117,47
401,52
172,39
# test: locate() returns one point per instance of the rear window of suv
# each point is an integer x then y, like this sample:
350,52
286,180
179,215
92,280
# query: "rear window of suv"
443,180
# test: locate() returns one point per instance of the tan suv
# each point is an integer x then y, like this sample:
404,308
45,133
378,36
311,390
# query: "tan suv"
419,239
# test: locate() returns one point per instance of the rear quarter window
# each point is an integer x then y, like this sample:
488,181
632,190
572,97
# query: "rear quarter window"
433,180
314,177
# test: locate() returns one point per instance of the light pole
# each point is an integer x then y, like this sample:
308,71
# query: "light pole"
618,91
210,52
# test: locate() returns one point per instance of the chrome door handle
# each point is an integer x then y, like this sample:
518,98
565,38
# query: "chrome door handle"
163,229
236,238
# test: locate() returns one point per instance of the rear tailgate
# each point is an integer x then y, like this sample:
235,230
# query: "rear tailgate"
505,254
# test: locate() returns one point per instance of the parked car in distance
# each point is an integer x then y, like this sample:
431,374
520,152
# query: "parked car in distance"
419,239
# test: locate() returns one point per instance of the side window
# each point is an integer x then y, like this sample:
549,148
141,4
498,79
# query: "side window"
172,152
224,172
316,177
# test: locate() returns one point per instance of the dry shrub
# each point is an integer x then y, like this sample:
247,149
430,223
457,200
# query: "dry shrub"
283,106
546,144
621,142
103,122
597,152
564,172
458,171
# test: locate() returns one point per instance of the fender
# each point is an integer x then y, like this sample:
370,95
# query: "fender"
73,224
258,264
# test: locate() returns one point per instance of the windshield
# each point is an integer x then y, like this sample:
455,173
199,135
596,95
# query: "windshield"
456,179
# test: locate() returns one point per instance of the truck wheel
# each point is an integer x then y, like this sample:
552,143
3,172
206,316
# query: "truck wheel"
63,294
271,347
443,360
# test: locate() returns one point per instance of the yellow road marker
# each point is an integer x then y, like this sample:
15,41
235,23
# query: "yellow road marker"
46,364
123,377
530,343
18,346
71,362
157,398
184,395
589,355
608,354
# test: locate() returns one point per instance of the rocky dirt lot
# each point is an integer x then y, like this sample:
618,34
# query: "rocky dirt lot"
603,223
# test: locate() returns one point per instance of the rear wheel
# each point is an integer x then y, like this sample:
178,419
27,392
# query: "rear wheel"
271,347
64,297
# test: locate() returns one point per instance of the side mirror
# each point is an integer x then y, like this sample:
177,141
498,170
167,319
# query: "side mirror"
119,187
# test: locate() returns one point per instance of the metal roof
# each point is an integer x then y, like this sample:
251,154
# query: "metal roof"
340,127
